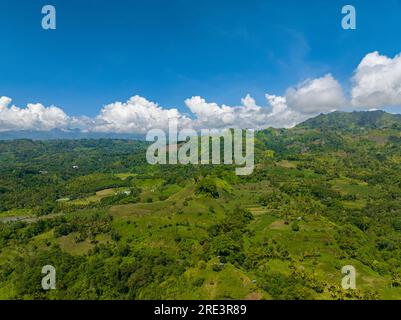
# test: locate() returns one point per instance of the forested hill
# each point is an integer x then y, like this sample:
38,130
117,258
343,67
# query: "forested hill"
354,120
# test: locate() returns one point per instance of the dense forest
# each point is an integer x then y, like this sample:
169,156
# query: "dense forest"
323,195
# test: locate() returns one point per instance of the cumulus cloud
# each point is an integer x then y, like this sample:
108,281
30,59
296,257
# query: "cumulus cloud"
209,114
316,96
247,115
33,117
282,116
137,115
377,82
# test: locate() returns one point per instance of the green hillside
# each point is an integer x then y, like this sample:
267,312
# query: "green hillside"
323,195
358,120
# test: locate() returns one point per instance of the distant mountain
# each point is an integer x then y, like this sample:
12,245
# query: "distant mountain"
353,120
349,121
60,134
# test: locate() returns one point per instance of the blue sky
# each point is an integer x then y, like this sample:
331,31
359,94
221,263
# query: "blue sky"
167,51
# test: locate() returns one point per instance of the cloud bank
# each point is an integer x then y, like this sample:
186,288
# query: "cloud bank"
376,83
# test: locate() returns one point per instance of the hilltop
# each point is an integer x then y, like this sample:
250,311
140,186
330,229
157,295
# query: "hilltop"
359,120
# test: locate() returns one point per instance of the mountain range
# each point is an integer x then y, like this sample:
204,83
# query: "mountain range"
357,120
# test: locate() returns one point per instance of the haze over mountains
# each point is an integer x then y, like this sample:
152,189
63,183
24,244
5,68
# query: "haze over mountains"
341,120
66,134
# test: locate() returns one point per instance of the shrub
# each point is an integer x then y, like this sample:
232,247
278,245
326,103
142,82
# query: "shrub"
295,226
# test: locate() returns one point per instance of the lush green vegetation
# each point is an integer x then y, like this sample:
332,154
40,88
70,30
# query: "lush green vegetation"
323,195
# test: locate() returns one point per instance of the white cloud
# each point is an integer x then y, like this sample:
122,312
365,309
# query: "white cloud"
316,96
377,82
33,117
211,115
282,116
247,115
137,115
